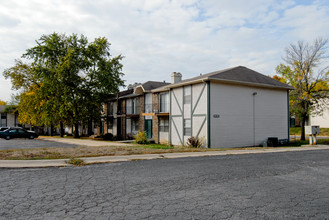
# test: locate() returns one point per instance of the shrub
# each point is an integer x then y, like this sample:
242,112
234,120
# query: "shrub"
130,136
117,138
108,136
141,138
194,142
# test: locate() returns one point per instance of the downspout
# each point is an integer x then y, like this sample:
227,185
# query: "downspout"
170,118
288,107
254,116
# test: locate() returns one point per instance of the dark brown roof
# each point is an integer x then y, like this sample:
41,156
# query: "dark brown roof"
149,85
239,74
125,92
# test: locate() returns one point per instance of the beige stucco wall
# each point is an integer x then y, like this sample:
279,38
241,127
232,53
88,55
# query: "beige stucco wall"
237,126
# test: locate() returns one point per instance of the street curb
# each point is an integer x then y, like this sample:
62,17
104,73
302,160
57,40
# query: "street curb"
113,159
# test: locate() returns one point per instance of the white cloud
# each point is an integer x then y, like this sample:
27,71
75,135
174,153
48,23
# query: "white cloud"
161,36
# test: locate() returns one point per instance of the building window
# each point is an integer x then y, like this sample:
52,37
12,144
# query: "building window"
164,102
110,123
164,125
187,127
3,119
134,125
110,108
135,106
148,103
129,105
132,106
187,95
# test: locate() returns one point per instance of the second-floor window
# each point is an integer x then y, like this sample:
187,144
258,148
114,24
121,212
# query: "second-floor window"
110,108
187,95
148,103
164,102
132,106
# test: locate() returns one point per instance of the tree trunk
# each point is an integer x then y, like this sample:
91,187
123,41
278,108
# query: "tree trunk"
61,129
90,127
76,130
51,130
302,133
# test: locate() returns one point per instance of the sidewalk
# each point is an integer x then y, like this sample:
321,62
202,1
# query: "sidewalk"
112,159
85,142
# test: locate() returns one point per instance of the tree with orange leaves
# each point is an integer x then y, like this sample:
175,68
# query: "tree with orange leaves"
307,72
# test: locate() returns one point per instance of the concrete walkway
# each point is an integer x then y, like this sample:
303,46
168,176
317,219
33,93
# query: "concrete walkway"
112,159
85,142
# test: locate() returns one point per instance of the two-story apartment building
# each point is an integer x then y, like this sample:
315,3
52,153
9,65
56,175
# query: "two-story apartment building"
229,108
132,110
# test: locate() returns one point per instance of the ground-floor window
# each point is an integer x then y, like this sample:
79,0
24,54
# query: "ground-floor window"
110,123
134,125
187,127
164,125
3,120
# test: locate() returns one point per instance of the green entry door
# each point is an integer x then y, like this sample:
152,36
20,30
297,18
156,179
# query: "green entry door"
148,128
102,127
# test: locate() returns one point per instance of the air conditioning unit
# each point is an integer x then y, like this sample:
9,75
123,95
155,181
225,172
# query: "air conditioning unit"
314,129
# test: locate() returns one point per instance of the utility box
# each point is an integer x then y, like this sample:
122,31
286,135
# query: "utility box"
311,130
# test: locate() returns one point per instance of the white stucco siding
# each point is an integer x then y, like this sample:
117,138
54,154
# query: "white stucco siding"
321,120
176,101
195,111
199,90
199,128
187,110
163,137
176,130
239,111
176,127
271,115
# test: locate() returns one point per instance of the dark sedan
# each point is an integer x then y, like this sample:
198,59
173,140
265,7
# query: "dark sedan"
17,133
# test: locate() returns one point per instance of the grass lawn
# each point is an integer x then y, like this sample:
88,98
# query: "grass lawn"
76,152
297,130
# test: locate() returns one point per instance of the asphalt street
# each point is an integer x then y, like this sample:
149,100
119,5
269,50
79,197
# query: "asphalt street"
289,185
24,143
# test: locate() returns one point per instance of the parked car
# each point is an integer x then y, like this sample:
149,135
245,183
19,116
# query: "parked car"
17,133
3,128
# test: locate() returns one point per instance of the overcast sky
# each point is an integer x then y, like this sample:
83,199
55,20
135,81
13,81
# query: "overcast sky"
158,37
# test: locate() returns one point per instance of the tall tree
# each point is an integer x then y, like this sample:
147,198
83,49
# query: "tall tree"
307,71
67,79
